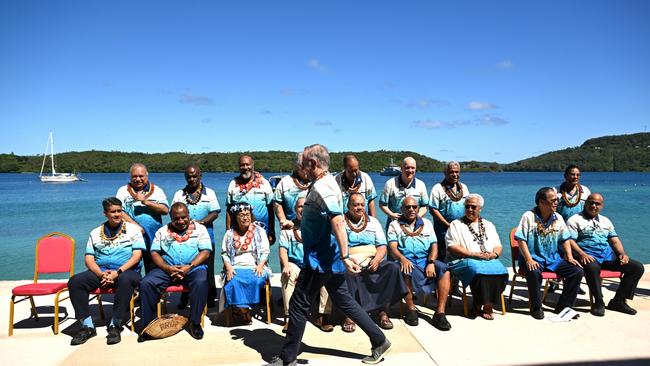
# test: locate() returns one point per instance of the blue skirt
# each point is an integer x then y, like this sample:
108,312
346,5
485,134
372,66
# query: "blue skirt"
244,288
467,268
421,284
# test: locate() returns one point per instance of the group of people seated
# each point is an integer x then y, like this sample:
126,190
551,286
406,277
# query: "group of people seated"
408,258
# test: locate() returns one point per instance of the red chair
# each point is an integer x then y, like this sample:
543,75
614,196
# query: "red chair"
519,272
54,254
162,305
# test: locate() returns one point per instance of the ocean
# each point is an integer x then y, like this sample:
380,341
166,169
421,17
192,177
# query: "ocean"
35,208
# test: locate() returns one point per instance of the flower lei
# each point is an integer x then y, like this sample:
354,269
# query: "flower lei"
120,231
248,238
479,237
453,196
542,229
407,230
181,238
188,195
299,184
355,185
363,223
255,182
567,200
146,193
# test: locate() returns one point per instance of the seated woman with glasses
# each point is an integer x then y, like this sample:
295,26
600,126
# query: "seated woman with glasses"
473,249
245,251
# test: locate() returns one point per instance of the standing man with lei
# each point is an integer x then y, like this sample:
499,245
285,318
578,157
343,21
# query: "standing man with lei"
446,204
178,251
541,233
398,188
204,208
352,180
251,187
112,257
290,188
327,259
144,204
571,194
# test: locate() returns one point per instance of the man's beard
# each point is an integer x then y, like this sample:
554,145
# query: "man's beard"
247,174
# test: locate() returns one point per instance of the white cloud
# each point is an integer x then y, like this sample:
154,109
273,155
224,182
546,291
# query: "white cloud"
430,124
323,123
315,64
189,98
492,120
480,106
426,103
506,64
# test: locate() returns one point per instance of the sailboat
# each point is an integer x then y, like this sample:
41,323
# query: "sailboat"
391,170
55,177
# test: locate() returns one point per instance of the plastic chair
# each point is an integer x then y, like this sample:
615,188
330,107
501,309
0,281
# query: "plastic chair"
54,254
519,272
268,299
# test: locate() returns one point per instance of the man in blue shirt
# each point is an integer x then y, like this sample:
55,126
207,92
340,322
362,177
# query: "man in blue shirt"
178,251
326,260
112,257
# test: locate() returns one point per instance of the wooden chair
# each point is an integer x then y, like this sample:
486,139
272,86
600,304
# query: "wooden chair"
519,272
466,301
54,254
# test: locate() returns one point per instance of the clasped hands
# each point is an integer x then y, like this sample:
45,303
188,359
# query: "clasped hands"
108,278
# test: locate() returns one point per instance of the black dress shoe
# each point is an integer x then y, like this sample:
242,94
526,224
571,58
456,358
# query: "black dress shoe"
113,336
83,335
620,306
440,321
411,318
144,337
195,331
598,310
537,314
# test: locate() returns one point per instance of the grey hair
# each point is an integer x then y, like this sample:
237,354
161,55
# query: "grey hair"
298,161
138,165
450,164
407,158
319,153
477,196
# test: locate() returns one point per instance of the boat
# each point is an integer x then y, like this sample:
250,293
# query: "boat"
391,170
55,177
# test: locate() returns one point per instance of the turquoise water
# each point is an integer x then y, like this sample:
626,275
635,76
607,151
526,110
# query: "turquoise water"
33,209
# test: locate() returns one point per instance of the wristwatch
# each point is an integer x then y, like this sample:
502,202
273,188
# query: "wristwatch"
430,261
119,271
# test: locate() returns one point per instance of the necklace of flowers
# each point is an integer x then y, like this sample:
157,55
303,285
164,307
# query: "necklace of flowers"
544,229
453,196
407,230
567,200
146,193
181,238
361,226
481,237
302,186
188,195
102,234
354,187
248,238
255,182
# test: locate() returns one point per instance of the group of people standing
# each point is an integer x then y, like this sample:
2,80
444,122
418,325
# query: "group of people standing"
333,248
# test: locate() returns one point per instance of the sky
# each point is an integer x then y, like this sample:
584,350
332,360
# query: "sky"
453,80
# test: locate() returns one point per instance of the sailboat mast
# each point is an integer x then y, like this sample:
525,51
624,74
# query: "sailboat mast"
45,155
52,152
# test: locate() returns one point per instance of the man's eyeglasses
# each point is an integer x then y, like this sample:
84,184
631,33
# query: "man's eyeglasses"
411,207
473,207
589,203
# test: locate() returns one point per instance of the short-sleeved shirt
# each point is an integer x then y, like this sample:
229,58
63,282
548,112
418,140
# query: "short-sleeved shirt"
450,210
364,184
565,211
592,235
372,234
143,215
286,194
412,247
294,248
259,197
238,254
394,193
112,254
544,246
198,211
181,253
323,202
459,234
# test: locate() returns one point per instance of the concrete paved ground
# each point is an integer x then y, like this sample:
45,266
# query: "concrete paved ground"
511,339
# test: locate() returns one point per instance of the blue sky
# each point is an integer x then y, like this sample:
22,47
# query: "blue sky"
467,80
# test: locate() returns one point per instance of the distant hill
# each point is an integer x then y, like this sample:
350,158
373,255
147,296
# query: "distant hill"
266,161
602,154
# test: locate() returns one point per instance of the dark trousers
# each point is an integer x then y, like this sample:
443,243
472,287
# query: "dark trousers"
307,288
632,272
157,280
440,230
81,284
212,286
572,276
